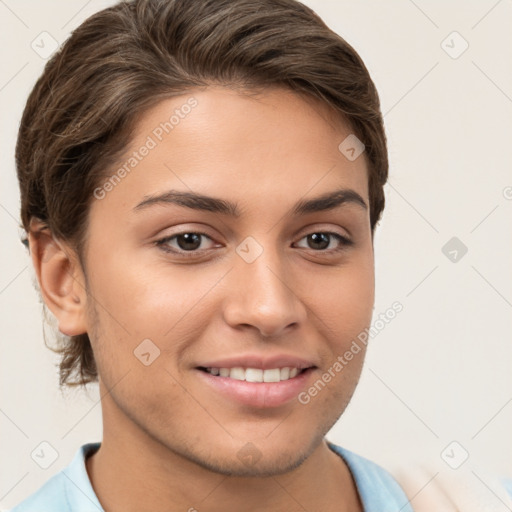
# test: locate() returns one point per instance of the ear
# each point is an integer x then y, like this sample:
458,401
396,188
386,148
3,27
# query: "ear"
60,278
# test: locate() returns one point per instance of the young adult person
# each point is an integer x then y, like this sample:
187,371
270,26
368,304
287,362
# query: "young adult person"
200,184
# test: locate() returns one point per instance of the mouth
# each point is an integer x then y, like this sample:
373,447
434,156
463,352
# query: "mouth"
256,387
255,374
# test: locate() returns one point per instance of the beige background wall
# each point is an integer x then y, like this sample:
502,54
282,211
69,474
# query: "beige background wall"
441,370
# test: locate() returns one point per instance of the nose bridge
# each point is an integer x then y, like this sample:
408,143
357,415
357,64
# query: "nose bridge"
263,297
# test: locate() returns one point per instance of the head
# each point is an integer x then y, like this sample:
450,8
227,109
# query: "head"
168,159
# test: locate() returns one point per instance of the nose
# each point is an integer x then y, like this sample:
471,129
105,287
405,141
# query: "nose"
262,295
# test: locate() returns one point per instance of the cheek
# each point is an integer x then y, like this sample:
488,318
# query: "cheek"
344,300
134,302
141,299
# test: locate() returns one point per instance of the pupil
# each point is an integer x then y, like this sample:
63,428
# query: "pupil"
190,241
319,238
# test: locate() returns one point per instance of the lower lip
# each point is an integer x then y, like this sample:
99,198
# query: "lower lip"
258,394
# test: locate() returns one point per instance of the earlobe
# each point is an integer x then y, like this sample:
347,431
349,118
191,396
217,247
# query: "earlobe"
60,279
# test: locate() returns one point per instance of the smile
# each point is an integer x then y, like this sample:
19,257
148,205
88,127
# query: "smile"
248,387
256,374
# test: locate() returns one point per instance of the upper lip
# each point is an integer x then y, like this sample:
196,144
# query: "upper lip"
259,361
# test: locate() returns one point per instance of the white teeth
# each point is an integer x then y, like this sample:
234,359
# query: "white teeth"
237,373
256,374
253,375
273,375
285,373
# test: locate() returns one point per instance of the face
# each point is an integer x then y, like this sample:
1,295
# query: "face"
252,273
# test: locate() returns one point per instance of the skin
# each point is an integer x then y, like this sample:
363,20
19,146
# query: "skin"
170,441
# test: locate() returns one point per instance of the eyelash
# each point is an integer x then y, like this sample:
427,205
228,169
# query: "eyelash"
162,243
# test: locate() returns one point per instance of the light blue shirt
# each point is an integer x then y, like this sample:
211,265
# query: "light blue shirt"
70,490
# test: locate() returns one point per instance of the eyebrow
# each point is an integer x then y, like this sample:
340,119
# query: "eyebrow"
325,202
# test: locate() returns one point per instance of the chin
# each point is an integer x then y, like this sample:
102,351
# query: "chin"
250,461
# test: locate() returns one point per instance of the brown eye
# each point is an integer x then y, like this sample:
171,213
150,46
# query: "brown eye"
318,240
325,241
188,241
183,242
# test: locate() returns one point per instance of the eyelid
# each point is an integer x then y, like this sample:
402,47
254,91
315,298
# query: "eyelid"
329,228
161,242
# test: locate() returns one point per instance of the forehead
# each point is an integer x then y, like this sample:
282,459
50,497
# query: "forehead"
271,144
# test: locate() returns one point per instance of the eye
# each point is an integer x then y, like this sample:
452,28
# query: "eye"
183,242
191,243
326,241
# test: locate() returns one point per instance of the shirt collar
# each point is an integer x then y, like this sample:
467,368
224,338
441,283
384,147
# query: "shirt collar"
79,492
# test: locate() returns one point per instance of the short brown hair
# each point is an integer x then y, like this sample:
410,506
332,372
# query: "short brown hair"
126,58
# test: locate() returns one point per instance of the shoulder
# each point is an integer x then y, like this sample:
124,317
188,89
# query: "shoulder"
431,486
68,490
49,497
378,489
